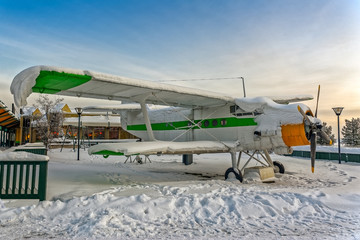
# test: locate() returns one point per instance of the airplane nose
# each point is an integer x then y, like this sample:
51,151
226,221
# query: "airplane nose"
294,135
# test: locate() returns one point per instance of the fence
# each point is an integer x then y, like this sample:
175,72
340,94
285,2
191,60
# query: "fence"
348,157
23,179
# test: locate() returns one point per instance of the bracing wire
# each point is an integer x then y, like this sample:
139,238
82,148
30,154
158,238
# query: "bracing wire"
198,79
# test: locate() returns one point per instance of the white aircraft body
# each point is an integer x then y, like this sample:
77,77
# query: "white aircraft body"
195,121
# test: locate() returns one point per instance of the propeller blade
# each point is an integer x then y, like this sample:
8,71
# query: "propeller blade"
313,150
325,137
317,102
304,115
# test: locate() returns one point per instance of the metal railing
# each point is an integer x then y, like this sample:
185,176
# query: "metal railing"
347,157
23,179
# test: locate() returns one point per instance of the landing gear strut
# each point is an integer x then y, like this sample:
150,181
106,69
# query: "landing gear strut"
276,165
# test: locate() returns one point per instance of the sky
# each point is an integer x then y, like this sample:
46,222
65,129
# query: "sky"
280,47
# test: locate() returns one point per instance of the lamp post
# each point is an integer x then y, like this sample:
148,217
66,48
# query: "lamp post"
338,111
78,111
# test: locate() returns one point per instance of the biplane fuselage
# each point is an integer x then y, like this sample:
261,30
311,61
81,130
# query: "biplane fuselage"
223,123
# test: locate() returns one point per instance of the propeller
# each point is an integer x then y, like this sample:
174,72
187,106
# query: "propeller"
315,127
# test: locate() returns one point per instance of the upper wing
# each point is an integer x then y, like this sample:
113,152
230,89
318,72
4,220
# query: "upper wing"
159,147
70,82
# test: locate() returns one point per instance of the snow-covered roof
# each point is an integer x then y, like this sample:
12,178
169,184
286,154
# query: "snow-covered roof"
99,121
7,118
60,107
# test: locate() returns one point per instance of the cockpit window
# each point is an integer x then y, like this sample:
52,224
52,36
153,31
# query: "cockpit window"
238,112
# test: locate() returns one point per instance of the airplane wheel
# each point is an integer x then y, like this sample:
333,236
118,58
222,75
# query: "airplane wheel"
105,156
237,175
279,167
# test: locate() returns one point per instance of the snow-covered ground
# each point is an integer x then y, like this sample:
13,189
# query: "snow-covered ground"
97,198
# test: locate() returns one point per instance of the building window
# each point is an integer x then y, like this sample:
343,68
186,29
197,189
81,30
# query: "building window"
99,133
114,133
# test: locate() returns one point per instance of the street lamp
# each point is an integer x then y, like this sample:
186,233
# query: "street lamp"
338,111
78,111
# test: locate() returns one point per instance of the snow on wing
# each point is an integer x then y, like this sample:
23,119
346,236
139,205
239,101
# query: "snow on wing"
70,82
158,147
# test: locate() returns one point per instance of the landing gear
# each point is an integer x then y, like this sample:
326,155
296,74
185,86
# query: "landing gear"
262,157
278,167
237,174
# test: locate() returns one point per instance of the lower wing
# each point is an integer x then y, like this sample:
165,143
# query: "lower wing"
159,147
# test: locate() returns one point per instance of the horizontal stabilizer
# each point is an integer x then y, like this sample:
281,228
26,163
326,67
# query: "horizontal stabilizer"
290,99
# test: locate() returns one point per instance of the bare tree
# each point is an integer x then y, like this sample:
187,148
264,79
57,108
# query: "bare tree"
49,125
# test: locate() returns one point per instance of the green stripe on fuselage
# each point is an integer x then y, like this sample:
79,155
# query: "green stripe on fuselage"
206,123
52,82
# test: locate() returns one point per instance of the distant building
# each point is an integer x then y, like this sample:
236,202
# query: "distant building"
8,126
22,129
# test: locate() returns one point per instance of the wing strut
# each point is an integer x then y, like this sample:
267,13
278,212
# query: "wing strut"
147,121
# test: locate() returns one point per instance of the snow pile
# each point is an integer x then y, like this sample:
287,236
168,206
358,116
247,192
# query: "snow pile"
16,156
177,212
97,198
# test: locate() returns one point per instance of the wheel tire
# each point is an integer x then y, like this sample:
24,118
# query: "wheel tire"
279,167
237,175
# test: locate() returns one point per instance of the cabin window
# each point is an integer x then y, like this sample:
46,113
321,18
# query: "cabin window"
223,122
206,123
214,122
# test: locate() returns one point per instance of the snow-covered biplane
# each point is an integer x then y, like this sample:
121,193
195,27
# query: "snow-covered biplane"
195,121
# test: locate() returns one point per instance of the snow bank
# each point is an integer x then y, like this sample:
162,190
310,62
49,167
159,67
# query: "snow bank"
180,212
